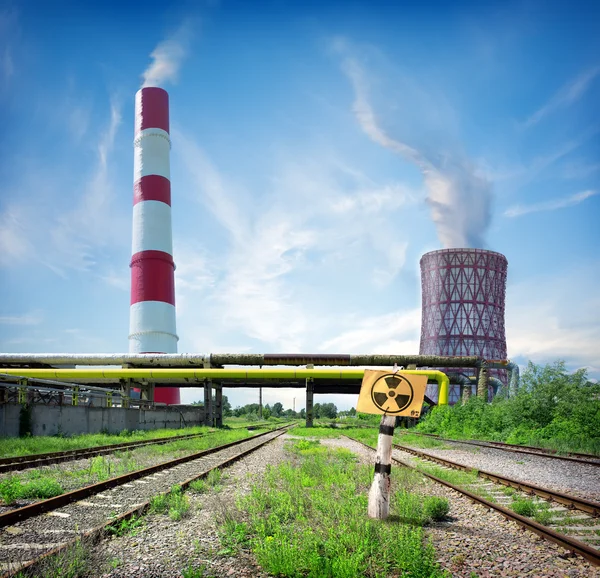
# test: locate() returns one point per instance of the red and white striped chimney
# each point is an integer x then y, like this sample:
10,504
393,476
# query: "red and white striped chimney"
152,312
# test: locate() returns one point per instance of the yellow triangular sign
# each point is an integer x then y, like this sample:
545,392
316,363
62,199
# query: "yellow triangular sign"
386,392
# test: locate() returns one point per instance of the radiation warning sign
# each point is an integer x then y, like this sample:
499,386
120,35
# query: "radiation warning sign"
385,392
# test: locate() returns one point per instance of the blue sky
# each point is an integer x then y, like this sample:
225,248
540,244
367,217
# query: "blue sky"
319,149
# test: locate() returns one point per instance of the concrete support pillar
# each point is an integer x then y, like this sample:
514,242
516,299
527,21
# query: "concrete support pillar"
125,392
218,406
260,414
310,387
147,392
208,413
482,382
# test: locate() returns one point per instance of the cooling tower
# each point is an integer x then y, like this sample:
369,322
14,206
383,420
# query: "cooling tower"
152,310
463,294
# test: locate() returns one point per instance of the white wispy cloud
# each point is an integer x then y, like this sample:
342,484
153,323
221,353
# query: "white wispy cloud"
167,58
306,224
553,205
32,318
93,222
396,332
42,228
15,244
562,322
571,92
458,194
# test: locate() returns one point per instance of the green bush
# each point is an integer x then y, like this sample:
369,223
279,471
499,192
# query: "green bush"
436,508
553,408
524,507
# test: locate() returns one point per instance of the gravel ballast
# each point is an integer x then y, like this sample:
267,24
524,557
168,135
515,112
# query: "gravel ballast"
473,540
580,480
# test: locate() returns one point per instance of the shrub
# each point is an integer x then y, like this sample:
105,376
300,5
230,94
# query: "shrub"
436,508
524,507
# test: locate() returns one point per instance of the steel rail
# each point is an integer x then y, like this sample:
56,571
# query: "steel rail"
572,501
139,510
38,460
531,450
25,462
589,553
50,504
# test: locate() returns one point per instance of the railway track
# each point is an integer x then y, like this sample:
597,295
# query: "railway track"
24,462
587,459
31,533
581,527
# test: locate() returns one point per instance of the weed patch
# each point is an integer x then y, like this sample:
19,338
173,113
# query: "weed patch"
13,489
523,507
72,563
308,517
176,504
131,527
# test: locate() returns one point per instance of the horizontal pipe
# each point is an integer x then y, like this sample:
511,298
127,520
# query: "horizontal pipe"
33,382
216,374
192,359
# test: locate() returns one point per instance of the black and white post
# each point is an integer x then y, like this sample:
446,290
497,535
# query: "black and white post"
379,495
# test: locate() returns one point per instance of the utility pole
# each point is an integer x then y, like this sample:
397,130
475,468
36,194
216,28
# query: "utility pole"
294,406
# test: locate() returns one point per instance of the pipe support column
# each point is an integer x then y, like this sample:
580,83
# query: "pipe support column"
218,406
482,383
208,403
310,387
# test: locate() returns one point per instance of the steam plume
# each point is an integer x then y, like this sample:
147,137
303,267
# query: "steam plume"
167,58
459,198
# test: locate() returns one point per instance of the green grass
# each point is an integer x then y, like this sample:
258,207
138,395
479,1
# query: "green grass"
10,447
308,518
131,526
195,572
39,484
12,489
523,507
176,504
411,439
75,562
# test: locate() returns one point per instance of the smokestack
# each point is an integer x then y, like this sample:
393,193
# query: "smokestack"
152,312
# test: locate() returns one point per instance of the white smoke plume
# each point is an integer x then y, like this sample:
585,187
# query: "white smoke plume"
458,196
167,58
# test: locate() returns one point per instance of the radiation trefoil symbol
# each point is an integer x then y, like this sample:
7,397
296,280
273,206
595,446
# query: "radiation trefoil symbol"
392,393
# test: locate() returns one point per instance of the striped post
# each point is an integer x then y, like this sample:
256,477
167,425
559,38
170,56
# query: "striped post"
152,311
379,494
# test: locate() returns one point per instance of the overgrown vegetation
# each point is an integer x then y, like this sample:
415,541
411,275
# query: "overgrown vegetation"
130,526
73,562
307,517
553,409
175,503
10,447
41,484
12,489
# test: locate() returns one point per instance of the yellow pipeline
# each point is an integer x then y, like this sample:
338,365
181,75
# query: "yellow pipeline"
202,374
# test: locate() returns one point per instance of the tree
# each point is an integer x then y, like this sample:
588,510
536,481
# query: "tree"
277,409
303,413
226,407
352,411
266,412
328,410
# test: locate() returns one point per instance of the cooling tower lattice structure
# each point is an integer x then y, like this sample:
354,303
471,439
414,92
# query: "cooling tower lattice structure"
152,309
463,295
